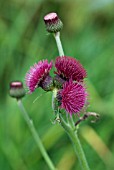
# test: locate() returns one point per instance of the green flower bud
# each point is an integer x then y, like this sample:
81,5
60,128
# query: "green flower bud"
16,90
58,82
53,23
47,83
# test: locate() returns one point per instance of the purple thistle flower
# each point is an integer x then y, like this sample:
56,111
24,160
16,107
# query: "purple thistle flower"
72,97
70,68
37,73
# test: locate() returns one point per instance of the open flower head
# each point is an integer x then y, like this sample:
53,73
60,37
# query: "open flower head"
72,97
68,67
37,73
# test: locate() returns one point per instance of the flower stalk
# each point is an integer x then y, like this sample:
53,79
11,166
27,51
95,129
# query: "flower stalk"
76,143
70,130
59,44
35,135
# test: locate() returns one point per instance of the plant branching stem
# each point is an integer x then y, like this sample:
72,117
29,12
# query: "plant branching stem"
67,127
76,143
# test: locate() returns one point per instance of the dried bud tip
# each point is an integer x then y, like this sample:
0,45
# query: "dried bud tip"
16,84
53,23
16,89
51,17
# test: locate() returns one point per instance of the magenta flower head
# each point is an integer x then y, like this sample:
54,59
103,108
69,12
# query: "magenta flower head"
53,23
38,76
72,97
69,68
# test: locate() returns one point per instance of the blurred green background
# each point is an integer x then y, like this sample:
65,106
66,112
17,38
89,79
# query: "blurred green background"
88,35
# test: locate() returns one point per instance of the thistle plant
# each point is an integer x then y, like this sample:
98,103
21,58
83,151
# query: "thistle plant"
69,93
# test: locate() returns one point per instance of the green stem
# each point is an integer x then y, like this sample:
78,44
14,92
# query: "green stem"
76,143
35,135
58,42
68,127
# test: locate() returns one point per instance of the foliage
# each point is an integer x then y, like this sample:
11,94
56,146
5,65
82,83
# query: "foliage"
88,36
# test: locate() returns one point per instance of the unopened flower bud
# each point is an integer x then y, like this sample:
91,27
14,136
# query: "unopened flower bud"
58,81
47,83
53,23
16,89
